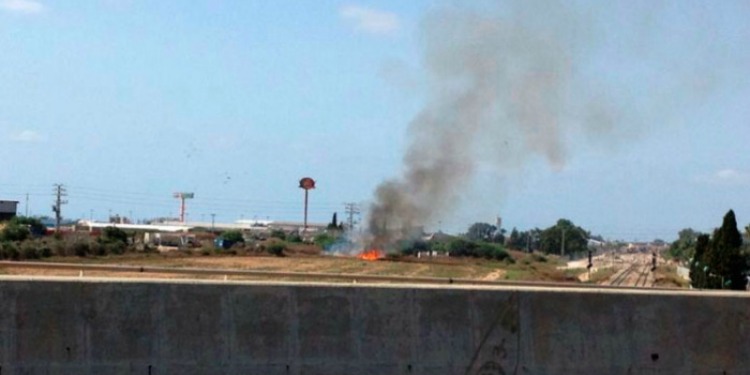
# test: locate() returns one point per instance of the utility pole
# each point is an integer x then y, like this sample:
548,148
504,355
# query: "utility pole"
60,192
213,222
351,209
27,204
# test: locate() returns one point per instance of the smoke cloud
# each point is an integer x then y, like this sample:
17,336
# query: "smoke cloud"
519,82
498,89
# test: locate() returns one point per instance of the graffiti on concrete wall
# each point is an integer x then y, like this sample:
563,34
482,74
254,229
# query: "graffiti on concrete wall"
498,352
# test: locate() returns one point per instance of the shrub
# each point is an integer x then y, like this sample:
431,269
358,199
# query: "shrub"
81,248
15,232
278,233
34,225
324,240
233,236
29,251
114,234
60,249
492,251
463,247
9,250
413,247
294,238
277,248
116,248
45,251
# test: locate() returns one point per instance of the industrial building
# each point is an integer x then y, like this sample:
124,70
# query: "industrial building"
8,209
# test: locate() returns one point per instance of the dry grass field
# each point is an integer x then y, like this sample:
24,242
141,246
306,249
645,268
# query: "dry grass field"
525,267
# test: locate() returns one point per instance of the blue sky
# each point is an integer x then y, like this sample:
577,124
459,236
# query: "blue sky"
126,102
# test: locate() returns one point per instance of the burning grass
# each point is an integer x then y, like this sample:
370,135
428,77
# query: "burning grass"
373,254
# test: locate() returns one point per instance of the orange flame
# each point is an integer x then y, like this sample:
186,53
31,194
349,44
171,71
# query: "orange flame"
373,254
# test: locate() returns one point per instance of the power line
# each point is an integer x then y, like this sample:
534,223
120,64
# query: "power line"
351,209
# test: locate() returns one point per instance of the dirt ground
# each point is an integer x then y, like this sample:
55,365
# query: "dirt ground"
444,267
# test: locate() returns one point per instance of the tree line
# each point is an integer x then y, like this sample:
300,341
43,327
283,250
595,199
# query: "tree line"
718,261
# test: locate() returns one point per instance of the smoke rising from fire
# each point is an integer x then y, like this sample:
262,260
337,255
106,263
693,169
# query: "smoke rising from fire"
517,82
490,77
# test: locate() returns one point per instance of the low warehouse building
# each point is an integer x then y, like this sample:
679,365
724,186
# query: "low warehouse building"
8,209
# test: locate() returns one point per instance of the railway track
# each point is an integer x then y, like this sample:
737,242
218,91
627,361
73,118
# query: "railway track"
642,277
626,277
622,276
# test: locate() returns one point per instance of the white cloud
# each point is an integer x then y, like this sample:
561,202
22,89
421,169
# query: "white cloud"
22,6
727,176
370,20
27,136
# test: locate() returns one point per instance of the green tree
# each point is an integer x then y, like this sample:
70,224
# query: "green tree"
324,240
35,226
564,237
726,262
499,236
233,236
278,233
461,247
698,266
334,224
525,240
277,248
481,232
14,232
114,234
684,247
514,240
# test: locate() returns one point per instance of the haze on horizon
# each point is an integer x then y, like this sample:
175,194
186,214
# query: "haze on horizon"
126,102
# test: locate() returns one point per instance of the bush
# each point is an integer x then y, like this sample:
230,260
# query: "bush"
60,249
15,232
29,251
324,240
116,248
413,247
81,248
148,248
9,250
34,225
294,238
278,233
233,236
114,234
462,247
45,251
276,248
492,251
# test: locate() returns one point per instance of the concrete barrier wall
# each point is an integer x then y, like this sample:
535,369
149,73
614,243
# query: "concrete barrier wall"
125,327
